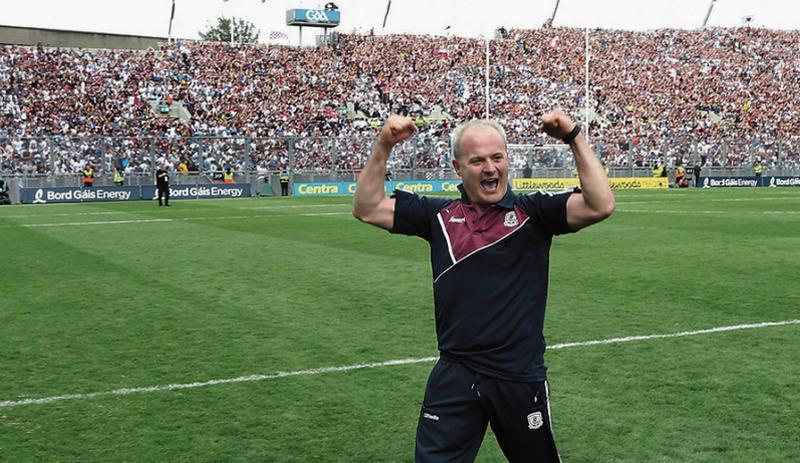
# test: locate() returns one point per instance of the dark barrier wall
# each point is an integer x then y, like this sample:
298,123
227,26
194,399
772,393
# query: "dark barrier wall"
244,190
782,181
235,190
10,35
738,182
79,195
130,193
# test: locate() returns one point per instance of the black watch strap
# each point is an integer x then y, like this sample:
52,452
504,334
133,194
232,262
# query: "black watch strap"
575,131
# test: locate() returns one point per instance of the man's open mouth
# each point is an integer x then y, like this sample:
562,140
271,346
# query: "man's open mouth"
489,185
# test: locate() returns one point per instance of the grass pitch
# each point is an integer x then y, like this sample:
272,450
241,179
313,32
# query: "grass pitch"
108,297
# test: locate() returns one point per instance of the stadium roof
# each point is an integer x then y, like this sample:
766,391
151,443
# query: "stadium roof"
463,17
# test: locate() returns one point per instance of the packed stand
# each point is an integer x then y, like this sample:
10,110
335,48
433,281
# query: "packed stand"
727,96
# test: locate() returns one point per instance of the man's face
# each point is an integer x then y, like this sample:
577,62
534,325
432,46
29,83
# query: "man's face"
483,166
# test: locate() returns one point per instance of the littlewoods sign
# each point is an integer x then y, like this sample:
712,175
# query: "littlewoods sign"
130,193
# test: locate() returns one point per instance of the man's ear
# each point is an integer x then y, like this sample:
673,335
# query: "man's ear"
457,167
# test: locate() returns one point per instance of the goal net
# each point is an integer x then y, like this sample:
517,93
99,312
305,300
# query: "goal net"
540,156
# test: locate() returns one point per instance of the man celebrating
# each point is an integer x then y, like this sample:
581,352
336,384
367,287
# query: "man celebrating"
490,257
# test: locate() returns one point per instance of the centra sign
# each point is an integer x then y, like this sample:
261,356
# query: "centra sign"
313,18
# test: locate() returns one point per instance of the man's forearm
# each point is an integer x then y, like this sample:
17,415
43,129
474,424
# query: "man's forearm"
370,189
594,182
370,203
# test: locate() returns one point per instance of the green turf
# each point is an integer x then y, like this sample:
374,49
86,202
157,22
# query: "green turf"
222,289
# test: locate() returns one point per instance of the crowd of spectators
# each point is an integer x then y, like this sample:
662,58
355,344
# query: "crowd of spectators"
723,97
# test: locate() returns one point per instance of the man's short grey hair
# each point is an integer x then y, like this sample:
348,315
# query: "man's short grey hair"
458,134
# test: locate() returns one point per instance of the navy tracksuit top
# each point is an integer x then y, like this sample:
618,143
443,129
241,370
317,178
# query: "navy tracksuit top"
490,276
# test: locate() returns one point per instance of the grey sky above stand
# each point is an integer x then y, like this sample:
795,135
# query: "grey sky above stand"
464,17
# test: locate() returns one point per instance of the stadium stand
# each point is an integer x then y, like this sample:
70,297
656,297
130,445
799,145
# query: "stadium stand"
721,96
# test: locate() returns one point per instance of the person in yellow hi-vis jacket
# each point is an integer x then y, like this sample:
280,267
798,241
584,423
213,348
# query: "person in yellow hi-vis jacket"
758,170
284,179
119,180
88,176
658,170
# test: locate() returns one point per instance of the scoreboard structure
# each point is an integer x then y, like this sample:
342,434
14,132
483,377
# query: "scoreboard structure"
325,19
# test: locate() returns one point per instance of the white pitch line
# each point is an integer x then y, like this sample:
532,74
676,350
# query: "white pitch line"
682,334
361,366
322,214
656,211
183,219
214,382
315,214
65,214
222,217
296,206
78,224
761,198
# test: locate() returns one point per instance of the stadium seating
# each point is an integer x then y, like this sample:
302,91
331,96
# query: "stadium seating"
727,95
